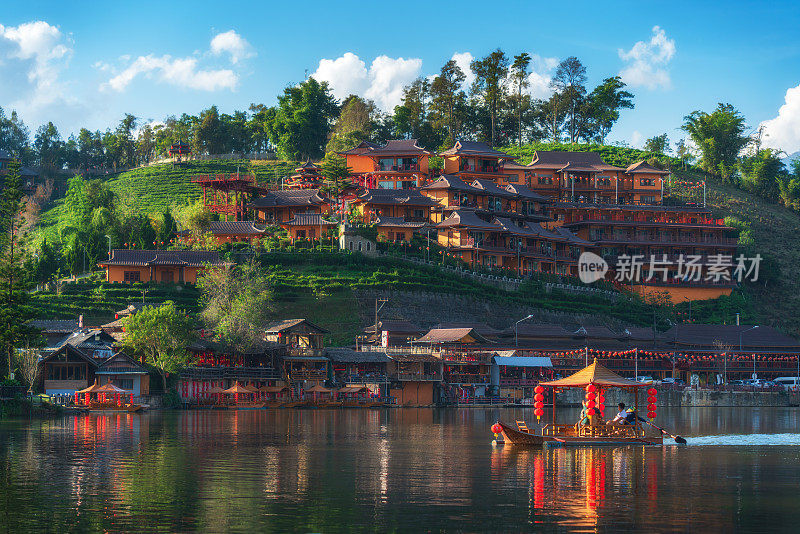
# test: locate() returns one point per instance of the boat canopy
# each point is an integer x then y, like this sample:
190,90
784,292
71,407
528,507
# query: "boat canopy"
523,361
595,374
238,388
91,389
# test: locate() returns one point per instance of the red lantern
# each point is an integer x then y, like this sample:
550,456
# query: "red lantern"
538,412
601,399
538,397
590,388
590,404
651,400
590,396
651,407
496,428
651,415
652,392
538,389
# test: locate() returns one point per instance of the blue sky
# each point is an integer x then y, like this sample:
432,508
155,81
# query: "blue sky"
80,64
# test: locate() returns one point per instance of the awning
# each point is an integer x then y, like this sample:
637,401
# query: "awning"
305,359
523,361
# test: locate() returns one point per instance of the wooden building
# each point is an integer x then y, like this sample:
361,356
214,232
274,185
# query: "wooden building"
472,160
229,232
308,225
407,204
125,373
399,164
275,207
306,176
67,370
167,266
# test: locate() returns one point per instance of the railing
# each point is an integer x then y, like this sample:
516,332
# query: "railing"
653,222
366,379
666,239
413,377
518,382
232,373
397,168
302,351
466,379
308,375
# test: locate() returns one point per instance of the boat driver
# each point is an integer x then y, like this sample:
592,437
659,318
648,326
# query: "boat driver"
622,418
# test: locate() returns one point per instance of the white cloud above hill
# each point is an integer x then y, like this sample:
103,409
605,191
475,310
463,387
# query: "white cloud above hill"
647,61
783,131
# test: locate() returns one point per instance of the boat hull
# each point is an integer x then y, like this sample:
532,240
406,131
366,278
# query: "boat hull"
515,437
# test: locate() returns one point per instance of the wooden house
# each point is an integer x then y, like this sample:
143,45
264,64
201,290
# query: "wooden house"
472,160
308,225
168,266
125,373
275,207
399,164
67,370
407,204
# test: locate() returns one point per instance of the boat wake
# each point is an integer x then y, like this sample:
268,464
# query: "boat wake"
746,439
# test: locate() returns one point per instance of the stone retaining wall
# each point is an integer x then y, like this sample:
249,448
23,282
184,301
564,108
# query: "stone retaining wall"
685,398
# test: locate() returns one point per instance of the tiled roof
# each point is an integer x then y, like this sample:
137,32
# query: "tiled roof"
71,349
526,193
451,335
143,258
474,148
481,328
362,148
539,330
510,226
555,159
120,363
308,166
398,222
569,236
57,326
286,324
599,332
492,188
400,147
540,231
348,355
309,219
577,167
710,335
644,167
467,219
451,182
290,197
87,336
405,197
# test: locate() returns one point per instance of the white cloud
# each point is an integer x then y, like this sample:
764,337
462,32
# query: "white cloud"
32,57
636,139
383,82
185,72
232,43
648,61
180,72
463,60
783,132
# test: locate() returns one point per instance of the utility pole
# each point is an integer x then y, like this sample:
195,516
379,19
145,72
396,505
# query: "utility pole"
377,309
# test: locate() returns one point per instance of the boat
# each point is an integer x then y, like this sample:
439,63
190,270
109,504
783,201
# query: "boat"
596,433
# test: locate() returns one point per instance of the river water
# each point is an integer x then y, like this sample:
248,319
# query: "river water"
382,470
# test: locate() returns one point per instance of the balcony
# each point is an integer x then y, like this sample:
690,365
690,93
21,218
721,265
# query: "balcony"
368,378
304,374
414,377
466,379
300,352
397,168
663,239
230,373
524,382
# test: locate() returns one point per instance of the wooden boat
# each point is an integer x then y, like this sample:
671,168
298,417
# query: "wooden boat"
596,432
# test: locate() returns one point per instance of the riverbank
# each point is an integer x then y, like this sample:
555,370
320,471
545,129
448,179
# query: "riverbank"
22,407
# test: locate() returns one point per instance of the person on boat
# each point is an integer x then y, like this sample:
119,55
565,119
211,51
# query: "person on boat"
586,413
622,416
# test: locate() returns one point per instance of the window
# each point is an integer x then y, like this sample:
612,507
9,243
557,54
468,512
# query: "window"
123,383
167,276
419,214
647,181
131,276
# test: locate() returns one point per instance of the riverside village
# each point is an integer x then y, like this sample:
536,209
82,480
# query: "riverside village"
395,297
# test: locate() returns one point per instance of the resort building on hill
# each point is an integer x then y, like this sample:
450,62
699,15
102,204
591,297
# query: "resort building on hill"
585,177
523,246
308,225
399,164
407,204
229,232
472,160
275,207
168,266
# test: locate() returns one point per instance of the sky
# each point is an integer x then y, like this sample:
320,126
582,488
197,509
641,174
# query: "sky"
85,64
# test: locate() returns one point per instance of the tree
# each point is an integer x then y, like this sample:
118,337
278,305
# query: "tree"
719,136
658,144
237,302
603,106
447,97
48,146
519,77
161,335
335,171
683,152
490,72
14,309
570,80
411,117
357,121
208,135
762,173
551,114
14,136
303,120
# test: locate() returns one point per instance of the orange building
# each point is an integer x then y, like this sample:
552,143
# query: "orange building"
275,207
306,176
399,164
408,204
167,266
308,225
471,160
398,229
229,232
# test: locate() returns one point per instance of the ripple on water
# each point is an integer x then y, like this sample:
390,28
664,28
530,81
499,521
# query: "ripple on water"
746,439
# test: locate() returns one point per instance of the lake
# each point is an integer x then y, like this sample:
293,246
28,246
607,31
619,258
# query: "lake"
392,470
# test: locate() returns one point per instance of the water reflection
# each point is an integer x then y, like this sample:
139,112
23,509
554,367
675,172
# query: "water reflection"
404,469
